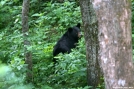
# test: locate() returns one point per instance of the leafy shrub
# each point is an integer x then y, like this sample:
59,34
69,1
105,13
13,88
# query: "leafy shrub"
70,71
8,79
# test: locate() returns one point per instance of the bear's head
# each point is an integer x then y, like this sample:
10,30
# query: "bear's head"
75,31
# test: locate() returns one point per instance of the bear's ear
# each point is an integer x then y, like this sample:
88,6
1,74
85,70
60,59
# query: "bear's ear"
78,25
70,29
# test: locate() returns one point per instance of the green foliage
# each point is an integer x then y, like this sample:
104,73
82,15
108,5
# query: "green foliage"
47,23
59,15
10,10
71,69
8,79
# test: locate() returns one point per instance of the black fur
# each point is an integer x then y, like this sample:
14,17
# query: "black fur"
67,41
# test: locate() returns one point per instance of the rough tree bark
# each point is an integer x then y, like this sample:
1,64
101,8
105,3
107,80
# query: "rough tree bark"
25,28
114,24
91,39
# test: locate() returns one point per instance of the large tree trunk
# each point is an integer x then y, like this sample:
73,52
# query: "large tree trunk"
114,24
25,27
91,38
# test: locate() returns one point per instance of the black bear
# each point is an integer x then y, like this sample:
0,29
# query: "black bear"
67,41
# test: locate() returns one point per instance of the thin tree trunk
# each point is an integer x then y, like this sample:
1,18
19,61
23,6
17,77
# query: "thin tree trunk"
91,38
114,23
25,28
